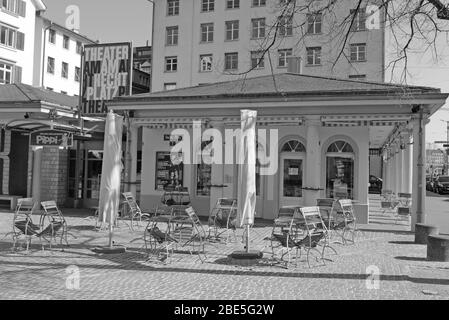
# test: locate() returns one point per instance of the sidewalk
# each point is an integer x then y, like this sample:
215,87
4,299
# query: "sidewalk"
404,271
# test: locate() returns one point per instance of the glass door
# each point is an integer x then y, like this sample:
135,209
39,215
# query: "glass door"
340,176
291,180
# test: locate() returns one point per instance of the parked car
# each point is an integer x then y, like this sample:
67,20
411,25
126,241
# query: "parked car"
375,184
442,184
429,183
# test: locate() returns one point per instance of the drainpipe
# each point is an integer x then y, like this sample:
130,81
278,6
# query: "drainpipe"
419,205
43,54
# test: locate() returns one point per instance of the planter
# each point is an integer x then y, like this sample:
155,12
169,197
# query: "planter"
438,248
422,231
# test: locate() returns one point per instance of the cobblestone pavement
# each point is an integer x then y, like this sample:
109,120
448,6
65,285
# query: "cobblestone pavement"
404,271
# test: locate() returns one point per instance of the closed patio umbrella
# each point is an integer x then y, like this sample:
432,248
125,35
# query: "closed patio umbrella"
246,199
110,174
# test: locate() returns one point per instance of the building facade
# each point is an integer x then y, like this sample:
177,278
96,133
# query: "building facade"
319,132
17,39
196,42
436,160
57,57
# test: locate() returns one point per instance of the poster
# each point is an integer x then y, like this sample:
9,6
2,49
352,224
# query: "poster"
106,75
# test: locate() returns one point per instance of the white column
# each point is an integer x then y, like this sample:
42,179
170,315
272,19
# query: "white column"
398,172
133,154
419,173
393,170
384,174
407,171
217,174
313,161
36,188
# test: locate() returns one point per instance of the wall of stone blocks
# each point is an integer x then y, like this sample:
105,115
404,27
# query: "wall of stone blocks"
54,175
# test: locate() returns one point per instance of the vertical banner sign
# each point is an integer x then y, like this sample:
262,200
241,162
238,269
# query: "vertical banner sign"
106,74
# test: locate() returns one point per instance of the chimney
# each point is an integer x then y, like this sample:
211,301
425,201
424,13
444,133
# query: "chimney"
294,65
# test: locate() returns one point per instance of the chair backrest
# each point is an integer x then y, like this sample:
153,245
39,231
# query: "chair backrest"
312,217
196,221
324,202
52,211
24,207
405,195
226,202
131,201
50,208
347,208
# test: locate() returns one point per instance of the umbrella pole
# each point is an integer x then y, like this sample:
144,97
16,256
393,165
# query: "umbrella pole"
247,238
110,235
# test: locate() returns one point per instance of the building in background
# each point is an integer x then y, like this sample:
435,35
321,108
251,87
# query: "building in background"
57,57
196,42
17,36
436,161
141,69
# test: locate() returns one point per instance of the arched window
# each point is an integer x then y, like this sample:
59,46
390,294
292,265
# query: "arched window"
340,170
293,146
340,146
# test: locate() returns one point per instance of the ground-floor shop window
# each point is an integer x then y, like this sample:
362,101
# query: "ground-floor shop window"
203,179
168,174
93,179
340,171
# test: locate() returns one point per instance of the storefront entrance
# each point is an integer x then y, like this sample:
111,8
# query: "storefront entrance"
291,174
340,170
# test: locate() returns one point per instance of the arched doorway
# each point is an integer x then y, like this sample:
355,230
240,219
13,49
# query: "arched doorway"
340,170
292,159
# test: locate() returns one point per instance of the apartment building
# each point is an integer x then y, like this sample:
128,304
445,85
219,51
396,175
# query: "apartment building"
17,30
197,42
57,57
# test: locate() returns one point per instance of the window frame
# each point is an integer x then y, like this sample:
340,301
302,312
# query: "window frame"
232,30
52,35
172,8
316,54
209,32
202,56
231,55
313,25
171,64
233,3
66,70
284,57
258,28
66,41
174,36
357,52
53,64
259,61
207,6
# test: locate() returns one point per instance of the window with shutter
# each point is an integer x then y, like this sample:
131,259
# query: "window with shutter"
22,8
20,43
17,74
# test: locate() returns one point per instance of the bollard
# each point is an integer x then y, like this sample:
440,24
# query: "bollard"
438,248
422,231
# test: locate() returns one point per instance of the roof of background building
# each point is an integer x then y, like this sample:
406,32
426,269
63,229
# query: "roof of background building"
285,84
23,93
72,32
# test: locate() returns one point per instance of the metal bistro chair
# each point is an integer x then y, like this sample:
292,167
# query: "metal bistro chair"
388,201
23,225
157,240
136,212
57,225
284,235
343,220
316,233
222,219
403,209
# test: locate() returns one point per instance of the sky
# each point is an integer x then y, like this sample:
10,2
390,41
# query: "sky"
107,20
119,21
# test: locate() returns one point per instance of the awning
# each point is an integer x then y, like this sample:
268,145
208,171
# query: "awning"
29,125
